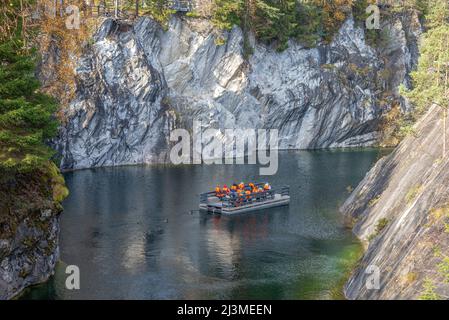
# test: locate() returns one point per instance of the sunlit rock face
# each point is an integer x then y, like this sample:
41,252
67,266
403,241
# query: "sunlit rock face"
137,82
400,212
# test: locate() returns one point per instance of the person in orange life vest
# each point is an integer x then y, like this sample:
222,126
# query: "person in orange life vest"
238,197
251,185
247,192
218,192
255,192
233,192
241,186
267,187
225,189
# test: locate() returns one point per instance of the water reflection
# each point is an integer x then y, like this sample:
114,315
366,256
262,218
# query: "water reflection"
131,232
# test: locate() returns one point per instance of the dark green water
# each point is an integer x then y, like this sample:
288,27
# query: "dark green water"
131,232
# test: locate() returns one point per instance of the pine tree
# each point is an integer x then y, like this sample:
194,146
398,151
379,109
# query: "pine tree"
275,21
431,79
26,115
159,11
227,13
265,20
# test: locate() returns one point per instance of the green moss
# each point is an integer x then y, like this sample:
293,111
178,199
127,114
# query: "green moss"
25,195
436,251
328,66
380,225
373,201
428,292
446,227
60,191
28,242
193,14
413,193
349,260
443,269
219,41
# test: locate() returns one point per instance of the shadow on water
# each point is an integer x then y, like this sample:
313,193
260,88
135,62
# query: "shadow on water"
133,235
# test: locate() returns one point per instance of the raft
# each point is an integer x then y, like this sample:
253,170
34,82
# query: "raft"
255,201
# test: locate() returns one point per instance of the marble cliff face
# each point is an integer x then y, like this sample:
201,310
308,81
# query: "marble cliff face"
138,81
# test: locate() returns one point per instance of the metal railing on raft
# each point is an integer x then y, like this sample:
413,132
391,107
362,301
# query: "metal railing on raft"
231,201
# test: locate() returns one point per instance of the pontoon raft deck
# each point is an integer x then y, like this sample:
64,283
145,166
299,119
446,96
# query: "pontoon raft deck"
254,201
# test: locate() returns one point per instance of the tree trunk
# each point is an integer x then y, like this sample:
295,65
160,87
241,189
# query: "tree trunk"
444,130
137,8
61,8
23,24
438,84
446,83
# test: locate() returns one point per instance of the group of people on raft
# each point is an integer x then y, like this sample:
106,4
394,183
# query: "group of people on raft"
240,191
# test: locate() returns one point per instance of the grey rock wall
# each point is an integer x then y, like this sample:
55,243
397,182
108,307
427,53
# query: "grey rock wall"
137,82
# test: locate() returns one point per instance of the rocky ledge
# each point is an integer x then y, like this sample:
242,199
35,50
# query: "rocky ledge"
29,228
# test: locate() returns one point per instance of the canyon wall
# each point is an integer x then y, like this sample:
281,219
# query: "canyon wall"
137,81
